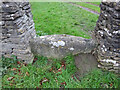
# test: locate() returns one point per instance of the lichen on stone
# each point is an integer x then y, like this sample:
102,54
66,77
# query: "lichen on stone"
57,43
71,49
109,61
107,32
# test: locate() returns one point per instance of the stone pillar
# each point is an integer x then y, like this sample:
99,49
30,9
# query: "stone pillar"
107,33
17,29
0,50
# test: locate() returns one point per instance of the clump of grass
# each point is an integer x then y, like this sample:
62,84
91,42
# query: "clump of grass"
1,69
53,73
100,79
31,76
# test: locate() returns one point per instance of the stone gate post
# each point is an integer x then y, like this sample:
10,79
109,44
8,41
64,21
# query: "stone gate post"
17,29
107,33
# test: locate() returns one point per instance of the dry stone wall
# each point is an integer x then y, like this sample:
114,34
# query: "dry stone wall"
17,29
107,32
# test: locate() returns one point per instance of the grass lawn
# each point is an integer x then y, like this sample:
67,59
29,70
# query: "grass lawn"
96,3
56,18
87,5
62,18
0,73
52,73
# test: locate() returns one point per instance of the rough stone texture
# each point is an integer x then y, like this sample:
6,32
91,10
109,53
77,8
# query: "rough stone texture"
85,62
59,46
17,29
0,30
107,33
1,69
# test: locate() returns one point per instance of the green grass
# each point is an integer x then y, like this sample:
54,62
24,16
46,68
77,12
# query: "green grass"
1,73
87,5
97,3
46,73
62,18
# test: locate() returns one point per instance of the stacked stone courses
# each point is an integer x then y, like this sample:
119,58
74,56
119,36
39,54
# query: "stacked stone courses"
107,32
17,30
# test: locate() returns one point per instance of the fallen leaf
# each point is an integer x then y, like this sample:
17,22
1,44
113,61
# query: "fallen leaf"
18,62
14,69
63,64
35,59
72,77
56,80
19,73
11,84
59,70
15,73
27,73
64,83
20,67
19,70
10,78
51,69
54,71
111,85
43,81
37,87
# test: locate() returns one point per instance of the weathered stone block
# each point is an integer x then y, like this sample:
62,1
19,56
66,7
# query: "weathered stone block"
85,63
107,36
16,31
58,46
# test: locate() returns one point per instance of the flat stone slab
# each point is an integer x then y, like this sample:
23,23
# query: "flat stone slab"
59,46
85,63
